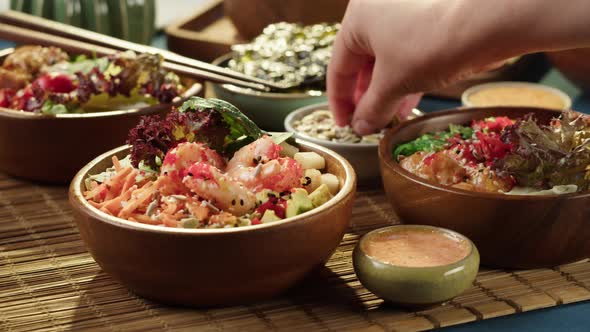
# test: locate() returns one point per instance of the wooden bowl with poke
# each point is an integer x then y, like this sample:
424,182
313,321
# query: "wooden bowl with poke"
514,180
59,110
204,208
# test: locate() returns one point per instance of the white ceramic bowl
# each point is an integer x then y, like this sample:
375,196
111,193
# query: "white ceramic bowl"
465,97
363,157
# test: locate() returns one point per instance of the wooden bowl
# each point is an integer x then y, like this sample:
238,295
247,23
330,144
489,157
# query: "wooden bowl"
207,267
52,148
509,231
574,64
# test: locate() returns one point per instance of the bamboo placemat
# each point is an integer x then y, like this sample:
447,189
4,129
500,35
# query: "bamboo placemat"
48,282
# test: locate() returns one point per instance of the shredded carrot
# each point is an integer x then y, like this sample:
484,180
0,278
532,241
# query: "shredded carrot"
200,212
130,180
95,192
116,163
95,204
114,205
139,197
115,184
168,220
142,218
170,208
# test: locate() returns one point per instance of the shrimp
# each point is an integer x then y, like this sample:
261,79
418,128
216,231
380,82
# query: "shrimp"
486,180
279,175
223,192
444,168
439,167
260,151
258,166
181,157
186,154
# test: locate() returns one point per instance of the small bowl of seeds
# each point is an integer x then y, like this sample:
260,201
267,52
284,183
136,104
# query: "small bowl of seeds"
315,124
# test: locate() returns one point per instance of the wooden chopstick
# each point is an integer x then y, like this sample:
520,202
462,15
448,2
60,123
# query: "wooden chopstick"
55,28
22,35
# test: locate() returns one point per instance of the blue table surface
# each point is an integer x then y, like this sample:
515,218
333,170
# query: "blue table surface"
571,317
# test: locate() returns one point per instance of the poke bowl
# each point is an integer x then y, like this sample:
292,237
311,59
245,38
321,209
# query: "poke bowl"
45,133
314,123
287,54
496,204
210,256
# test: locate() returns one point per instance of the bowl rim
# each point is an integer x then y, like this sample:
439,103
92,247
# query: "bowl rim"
302,111
472,247
478,87
220,61
387,158
83,206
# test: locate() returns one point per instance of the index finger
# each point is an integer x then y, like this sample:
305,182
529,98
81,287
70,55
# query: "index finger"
343,71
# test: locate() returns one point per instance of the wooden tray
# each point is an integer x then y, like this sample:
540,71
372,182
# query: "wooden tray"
205,35
49,282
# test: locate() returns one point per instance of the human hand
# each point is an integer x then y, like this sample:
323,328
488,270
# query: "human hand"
386,54
390,51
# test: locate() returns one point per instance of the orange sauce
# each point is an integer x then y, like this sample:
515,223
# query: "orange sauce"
516,96
416,248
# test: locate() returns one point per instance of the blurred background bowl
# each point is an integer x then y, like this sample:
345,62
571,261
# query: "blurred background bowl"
267,109
52,148
573,64
517,94
509,231
206,267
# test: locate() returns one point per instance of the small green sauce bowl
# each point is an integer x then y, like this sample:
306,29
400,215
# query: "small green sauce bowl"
415,286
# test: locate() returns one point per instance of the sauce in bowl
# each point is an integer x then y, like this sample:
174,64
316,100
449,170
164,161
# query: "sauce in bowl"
416,247
516,94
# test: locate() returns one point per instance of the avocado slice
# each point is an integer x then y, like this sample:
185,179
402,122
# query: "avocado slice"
269,216
298,203
262,196
320,196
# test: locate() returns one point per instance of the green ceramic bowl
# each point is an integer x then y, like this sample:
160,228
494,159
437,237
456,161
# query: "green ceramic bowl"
267,109
415,286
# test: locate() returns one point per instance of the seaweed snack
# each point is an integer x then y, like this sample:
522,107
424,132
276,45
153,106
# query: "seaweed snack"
289,54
